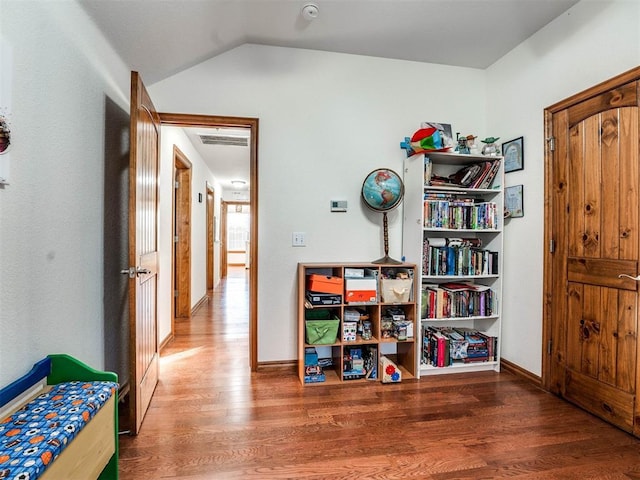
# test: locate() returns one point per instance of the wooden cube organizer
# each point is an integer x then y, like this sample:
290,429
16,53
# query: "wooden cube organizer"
403,352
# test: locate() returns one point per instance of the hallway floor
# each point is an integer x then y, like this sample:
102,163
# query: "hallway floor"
211,418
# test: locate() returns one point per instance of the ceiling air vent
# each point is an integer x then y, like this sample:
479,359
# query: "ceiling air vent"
232,140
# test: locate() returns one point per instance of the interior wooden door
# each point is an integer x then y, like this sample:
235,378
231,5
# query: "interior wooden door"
143,251
594,192
210,235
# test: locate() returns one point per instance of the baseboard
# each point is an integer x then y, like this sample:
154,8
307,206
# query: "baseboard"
507,366
166,342
204,300
278,364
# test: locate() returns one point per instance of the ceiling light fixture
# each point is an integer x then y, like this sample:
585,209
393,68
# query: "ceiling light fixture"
238,183
310,11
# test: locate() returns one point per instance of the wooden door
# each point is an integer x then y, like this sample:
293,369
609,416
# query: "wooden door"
593,194
210,236
143,251
182,234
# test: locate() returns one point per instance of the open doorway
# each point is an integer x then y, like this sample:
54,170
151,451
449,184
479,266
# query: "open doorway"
236,231
211,219
251,124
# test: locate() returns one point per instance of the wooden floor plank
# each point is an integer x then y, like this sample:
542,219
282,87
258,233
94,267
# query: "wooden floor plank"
211,418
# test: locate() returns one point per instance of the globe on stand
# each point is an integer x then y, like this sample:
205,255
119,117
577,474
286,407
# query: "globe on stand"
382,191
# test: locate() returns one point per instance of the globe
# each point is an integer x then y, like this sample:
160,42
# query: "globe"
382,190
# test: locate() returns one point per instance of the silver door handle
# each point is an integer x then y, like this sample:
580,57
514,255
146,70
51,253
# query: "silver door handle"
624,275
134,272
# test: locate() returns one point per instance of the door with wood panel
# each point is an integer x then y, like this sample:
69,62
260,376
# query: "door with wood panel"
593,195
143,251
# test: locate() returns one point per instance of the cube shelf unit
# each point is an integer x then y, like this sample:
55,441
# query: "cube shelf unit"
420,235
402,352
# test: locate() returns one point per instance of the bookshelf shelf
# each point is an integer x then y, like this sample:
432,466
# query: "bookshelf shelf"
459,368
450,278
454,234
378,314
457,319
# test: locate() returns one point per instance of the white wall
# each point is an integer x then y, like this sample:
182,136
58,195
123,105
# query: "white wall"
51,216
589,44
326,121
200,175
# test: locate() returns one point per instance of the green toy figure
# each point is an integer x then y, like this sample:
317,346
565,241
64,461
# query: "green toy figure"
490,148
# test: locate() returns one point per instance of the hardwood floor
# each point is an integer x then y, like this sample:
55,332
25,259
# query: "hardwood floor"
211,418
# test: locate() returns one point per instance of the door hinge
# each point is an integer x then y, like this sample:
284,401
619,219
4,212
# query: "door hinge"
552,143
176,185
549,347
552,245
176,293
175,239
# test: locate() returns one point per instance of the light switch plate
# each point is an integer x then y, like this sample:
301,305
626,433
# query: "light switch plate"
298,239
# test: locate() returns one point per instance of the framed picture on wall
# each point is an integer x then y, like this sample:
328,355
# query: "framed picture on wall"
513,207
513,153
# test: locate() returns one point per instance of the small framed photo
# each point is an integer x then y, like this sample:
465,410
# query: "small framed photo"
513,207
513,153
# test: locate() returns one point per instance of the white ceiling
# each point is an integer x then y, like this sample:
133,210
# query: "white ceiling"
159,38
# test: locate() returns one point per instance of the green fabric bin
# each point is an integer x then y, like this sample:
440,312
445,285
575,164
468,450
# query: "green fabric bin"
322,332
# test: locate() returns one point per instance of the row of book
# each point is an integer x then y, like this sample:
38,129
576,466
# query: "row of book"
457,300
476,175
444,346
446,211
457,258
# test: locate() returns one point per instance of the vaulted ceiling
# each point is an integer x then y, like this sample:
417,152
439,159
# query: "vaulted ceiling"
159,38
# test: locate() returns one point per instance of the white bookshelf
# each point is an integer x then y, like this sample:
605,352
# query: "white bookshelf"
414,234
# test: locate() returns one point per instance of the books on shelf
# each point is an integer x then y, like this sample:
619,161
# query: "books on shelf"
444,256
478,175
457,300
449,211
445,346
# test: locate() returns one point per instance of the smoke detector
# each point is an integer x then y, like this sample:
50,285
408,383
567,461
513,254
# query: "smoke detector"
310,11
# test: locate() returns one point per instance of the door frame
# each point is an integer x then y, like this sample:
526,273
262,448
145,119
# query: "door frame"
549,188
213,121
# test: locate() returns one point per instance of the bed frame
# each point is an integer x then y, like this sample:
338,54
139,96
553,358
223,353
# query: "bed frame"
93,453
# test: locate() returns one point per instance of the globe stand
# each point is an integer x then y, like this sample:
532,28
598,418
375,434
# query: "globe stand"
386,260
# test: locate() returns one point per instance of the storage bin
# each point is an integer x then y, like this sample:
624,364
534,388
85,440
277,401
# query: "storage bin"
322,332
396,290
324,284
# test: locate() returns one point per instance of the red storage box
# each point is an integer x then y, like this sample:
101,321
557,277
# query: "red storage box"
324,284
361,296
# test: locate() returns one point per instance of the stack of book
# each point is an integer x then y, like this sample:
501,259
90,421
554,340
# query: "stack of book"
444,346
449,211
457,256
476,175
457,300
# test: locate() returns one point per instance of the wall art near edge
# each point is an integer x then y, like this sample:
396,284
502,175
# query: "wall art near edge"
6,71
513,207
513,153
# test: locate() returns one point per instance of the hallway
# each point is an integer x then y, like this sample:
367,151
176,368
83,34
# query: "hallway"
211,419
